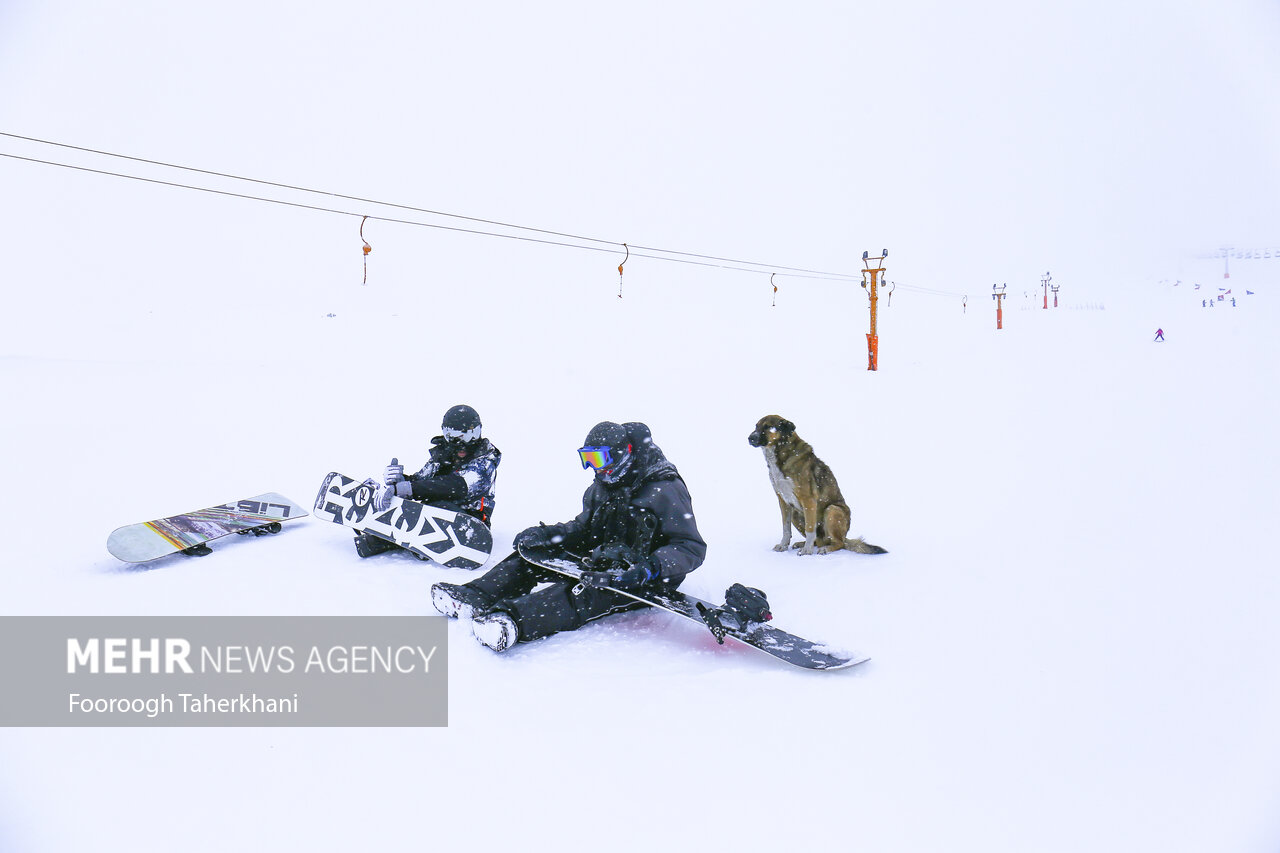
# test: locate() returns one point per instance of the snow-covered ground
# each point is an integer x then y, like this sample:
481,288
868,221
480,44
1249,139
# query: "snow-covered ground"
1073,635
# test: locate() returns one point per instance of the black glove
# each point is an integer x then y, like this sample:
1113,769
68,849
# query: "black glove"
536,537
614,555
619,566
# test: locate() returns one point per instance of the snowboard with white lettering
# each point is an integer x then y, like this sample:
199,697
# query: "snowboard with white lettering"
445,536
150,540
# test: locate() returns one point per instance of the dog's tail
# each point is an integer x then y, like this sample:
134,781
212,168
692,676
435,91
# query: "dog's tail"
862,546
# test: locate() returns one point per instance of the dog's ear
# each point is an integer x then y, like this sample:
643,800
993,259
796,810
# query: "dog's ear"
786,426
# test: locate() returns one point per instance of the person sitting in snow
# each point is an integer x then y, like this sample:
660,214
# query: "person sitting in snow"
636,527
461,474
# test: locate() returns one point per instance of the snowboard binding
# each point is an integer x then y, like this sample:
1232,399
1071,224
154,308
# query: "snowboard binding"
743,607
273,527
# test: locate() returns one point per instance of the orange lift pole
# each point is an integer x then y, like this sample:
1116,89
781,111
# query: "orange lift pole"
998,296
873,341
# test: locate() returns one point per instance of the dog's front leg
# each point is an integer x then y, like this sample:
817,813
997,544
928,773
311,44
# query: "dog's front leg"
810,527
786,525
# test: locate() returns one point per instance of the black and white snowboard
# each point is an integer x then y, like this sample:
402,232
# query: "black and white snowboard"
445,536
189,532
768,639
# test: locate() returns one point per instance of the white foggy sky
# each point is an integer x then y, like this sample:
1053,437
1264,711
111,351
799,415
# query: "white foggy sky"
979,142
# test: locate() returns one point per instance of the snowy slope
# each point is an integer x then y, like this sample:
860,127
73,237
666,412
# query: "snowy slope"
1072,635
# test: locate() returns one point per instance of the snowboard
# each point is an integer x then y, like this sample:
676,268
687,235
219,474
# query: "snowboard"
445,536
772,641
151,540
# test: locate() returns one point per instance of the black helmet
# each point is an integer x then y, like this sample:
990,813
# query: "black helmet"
609,451
461,424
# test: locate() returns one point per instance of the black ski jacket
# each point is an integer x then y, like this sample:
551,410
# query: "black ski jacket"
651,510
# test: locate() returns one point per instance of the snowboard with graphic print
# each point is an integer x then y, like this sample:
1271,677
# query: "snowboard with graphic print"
444,536
191,531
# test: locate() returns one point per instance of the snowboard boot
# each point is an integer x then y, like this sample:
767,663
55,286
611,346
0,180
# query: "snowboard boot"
367,546
495,629
458,601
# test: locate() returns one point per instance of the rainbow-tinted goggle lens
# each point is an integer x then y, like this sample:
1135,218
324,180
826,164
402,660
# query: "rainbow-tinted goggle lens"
595,457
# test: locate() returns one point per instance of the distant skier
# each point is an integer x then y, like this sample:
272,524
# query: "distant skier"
461,474
636,525
1159,334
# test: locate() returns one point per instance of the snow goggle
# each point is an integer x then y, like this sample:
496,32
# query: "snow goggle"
595,457
465,436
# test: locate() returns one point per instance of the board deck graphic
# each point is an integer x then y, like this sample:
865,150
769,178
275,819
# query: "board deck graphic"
150,540
445,536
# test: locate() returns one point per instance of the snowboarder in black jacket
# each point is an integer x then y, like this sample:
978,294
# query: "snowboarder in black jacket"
461,474
636,526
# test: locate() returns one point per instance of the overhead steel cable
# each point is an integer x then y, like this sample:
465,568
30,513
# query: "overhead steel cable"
295,188
928,290
594,244
738,264
400,221
297,204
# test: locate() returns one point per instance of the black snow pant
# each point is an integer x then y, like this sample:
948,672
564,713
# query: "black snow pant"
551,609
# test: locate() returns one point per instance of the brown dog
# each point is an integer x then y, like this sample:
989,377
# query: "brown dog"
808,494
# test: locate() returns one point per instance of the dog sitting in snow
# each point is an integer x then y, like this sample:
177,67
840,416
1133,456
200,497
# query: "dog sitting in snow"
808,495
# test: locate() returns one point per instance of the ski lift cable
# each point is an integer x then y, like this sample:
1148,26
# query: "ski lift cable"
294,188
283,202
606,246
411,208
412,222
